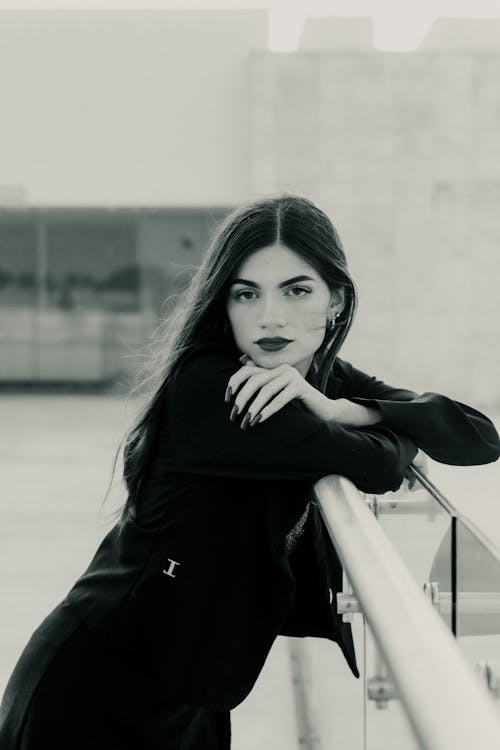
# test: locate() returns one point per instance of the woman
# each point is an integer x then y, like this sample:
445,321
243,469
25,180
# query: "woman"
220,545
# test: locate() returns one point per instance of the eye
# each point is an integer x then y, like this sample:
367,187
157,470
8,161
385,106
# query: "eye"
301,289
238,295
305,291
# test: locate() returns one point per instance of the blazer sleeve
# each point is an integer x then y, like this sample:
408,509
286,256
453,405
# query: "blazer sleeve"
448,431
291,444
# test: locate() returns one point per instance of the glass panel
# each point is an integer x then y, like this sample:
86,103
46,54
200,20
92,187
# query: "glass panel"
92,276
171,247
418,527
17,264
81,291
92,266
478,605
18,296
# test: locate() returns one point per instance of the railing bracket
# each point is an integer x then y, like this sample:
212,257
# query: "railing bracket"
347,604
380,690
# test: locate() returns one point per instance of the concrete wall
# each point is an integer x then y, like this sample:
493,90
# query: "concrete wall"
126,107
402,151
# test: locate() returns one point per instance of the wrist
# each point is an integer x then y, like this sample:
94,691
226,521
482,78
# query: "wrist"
349,414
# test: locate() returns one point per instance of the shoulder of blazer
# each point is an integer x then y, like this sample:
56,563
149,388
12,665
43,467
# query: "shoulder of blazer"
210,351
342,368
340,379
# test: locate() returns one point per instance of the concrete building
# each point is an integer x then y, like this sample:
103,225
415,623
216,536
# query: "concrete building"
322,34
473,34
160,110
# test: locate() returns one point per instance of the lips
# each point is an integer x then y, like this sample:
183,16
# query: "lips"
273,345
272,340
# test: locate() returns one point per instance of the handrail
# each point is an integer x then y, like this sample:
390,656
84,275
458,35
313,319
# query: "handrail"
444,702
433,490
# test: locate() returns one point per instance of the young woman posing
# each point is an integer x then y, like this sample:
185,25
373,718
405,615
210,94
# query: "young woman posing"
220,545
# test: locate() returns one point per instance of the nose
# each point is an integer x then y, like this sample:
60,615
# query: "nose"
271,315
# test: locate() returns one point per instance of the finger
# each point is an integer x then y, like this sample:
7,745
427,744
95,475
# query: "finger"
286,395
421,462
252,386
269,392
405,484
238,378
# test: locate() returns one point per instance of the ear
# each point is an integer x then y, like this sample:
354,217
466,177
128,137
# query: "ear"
337,300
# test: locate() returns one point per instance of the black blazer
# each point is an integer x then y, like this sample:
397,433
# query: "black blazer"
199,584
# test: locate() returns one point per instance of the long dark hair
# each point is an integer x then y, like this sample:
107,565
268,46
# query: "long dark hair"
200,313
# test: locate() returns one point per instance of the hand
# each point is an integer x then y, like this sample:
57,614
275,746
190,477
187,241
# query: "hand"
277,386
420,462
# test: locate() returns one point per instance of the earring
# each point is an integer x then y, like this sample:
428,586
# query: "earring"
331,321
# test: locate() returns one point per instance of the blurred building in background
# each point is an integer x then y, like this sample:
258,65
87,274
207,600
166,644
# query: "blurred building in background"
127,135
81,289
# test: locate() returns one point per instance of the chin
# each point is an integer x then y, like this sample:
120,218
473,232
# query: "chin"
274,359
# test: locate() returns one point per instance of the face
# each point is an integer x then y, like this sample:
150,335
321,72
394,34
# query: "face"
267,300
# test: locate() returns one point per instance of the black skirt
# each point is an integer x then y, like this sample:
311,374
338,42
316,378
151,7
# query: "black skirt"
69,692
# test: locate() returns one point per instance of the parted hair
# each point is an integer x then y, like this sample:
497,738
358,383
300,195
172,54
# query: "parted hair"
200,311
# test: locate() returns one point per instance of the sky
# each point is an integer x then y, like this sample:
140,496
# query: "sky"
398,24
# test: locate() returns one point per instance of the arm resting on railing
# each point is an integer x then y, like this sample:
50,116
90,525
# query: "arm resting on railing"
446,430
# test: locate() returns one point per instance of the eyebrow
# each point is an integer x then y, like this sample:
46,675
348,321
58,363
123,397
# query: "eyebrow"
280,286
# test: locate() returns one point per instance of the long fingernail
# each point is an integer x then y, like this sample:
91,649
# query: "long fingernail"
228,395
234,413
256,419
246,420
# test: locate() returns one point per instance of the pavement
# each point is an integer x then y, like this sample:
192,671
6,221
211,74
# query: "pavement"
57,452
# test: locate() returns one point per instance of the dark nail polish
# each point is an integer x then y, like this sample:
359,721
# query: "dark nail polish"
234,413
228,395
256,419
246,420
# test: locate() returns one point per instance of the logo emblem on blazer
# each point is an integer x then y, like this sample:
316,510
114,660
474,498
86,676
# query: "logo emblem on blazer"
171,567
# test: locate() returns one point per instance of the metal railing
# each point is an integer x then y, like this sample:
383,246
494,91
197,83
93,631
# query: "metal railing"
443,699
